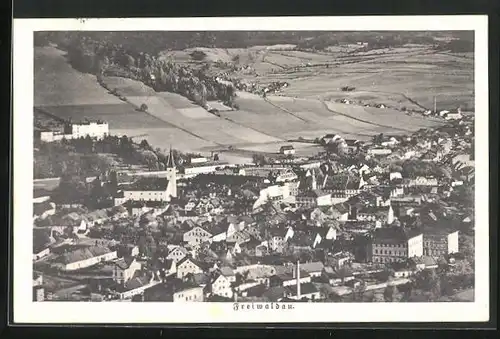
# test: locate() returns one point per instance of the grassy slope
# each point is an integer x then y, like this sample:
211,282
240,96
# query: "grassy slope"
390,79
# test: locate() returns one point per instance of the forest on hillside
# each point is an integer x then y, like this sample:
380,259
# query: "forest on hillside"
153,42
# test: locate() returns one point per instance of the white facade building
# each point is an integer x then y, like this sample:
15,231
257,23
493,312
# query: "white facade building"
87,257
93,129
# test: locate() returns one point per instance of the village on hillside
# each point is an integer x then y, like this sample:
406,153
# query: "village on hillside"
385,220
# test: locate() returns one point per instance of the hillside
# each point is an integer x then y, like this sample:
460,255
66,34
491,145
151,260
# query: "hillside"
402,78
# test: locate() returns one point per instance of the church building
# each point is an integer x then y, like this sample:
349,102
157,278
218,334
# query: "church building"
154,188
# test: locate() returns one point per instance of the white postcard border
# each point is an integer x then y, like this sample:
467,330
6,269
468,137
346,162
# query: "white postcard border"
27,311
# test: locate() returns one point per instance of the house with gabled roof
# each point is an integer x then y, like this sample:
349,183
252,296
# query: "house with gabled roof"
238,237
221,285
278,238
187,266
177,254
339,211
228,272
328,233
196,236
135,286
86,257
43,209
125,269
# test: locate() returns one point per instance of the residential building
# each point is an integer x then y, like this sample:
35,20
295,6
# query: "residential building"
278,238
221,286
394,244
287,150
40,252
379,151
38,293
86,257
135,286
423,181
314,198
125,269
177,254
43,209
196,236
188,294
37,279
422,263
186,266
440,243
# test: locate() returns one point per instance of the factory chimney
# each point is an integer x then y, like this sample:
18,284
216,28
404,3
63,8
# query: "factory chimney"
297,274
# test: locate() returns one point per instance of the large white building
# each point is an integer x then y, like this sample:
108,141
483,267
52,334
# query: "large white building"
93,129
394,244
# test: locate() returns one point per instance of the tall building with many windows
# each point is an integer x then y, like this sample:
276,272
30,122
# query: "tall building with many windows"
394,244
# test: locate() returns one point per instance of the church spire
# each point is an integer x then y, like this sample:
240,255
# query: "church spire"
171,160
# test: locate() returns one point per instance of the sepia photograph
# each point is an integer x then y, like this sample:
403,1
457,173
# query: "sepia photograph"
310,172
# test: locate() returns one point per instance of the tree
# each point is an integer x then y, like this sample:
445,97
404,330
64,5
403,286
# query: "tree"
377,139
391,293
359,291
71,189
259,159
429,281
378,297
145,145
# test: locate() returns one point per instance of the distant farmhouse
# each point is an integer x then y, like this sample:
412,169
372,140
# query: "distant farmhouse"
287,150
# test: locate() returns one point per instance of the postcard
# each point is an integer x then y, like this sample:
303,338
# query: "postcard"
251,170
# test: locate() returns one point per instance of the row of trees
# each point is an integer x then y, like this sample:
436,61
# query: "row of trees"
89,157
97,194
56,163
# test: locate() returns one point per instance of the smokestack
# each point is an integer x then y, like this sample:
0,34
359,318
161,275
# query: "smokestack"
298,279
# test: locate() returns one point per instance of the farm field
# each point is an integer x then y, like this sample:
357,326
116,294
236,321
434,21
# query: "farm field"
408,77
57,83
128,87
404,77
119,116
219,131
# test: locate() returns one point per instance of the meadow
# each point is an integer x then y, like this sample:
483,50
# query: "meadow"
401,78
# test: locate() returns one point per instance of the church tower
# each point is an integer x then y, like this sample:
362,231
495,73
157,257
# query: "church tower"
171,176
314,184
